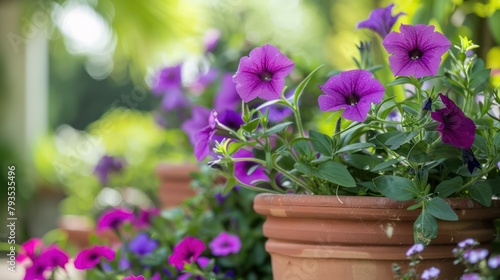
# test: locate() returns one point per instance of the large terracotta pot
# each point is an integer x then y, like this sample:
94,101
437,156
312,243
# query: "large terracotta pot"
175,183
313,237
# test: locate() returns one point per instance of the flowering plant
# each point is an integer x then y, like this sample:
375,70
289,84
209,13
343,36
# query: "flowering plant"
441,140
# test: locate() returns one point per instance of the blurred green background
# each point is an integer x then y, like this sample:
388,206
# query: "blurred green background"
75,78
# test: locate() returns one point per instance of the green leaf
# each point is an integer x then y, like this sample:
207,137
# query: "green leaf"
354,147
277,128
400,81
231,182
448,187
336,173
419,153
251,126
363,162
396,141
375,68
397,188
321,143
438,208
496,142
384,165
481,143
425,228
481,192
300,88
303,149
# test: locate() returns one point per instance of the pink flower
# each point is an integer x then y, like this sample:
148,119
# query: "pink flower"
47,260
225,244
145,217
114,218
187,251
89,258
29,249
132,277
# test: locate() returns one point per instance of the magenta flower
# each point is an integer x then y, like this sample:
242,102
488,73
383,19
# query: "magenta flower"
262,74
430,273
202,262
89,258
203,137
168,83
186,251
29,249
225,244
37,270
455,128
46,261
132,277
145,217
415,249
227,98
475,255
107,165
199,120
114,218
246,171
352,91
142,245
416,51
380,21
54,257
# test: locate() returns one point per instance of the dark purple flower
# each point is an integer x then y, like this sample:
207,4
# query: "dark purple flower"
168,83
248,171
455,128
353,91
469,159
203,81
107,165
225,244
89,258
203,137
211,39
145,217
142,245
220,198
381,20
415,249
132,277
430,273
427,105
416,51
227,98
230,118
187,251
262,74
475,255
29,249
113,218
199,119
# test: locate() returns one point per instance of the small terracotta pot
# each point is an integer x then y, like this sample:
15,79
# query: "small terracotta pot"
175,181
79,229
354,237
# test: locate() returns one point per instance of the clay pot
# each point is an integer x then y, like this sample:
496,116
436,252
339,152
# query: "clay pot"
175,183
352,237
79,229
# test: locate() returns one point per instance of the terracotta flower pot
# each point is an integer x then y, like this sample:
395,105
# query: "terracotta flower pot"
325,237
79,229
175,183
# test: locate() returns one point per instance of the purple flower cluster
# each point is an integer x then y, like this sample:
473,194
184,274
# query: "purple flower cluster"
107,165
225,244
415,249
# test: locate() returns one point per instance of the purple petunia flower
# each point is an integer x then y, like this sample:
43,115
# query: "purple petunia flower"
113,218
475,255
36,270
225,244
199,120
203,137
145,217
186,251
415,249
133,277
455,128
50,258
430,273
29,249
470,159
107,165
467,242
248,171
471,276
416,51
262,74
353,91
142,245
89,258
227,98
211,39
381,20
168,83
54,257
494,262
